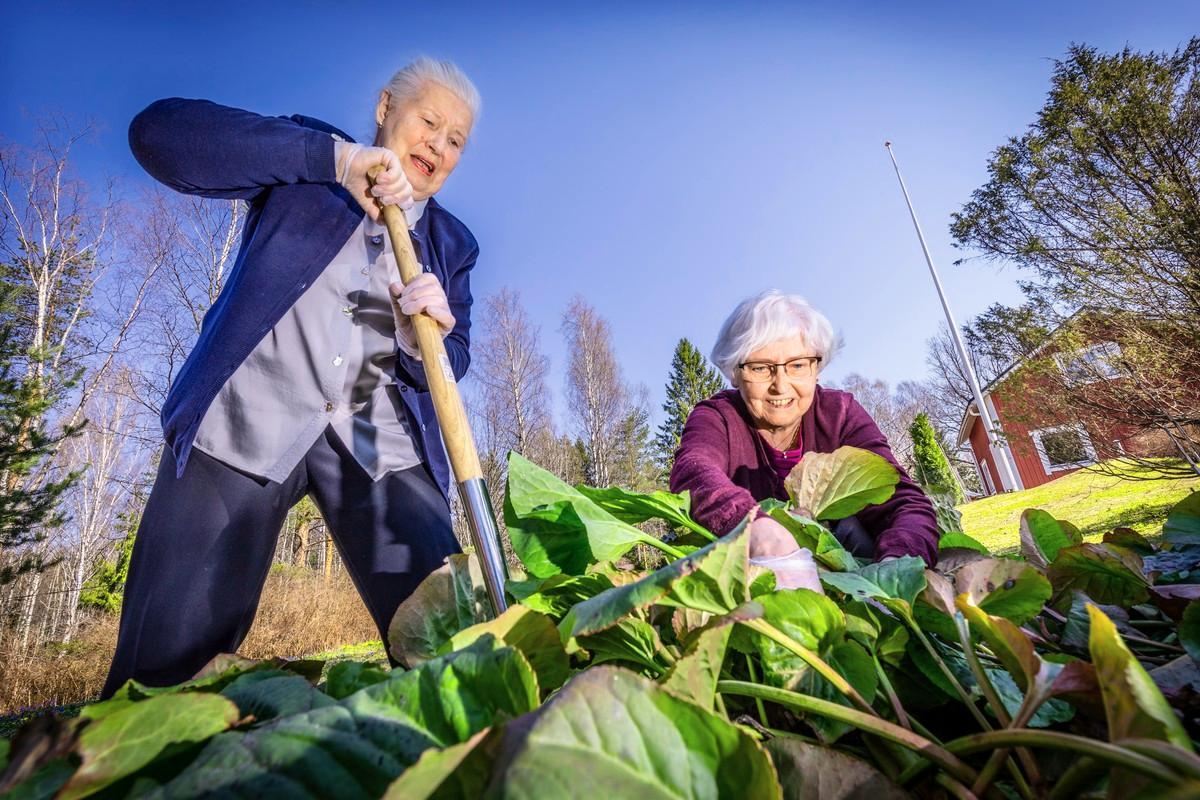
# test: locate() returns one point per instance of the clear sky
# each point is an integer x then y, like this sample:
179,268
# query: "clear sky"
664,160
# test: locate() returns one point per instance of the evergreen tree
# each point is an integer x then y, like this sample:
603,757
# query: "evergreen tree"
27,507
692,379
929,461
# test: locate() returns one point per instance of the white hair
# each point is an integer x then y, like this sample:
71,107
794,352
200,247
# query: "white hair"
408,83
768,317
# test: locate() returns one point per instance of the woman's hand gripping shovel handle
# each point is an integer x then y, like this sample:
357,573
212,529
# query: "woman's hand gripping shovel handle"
452,419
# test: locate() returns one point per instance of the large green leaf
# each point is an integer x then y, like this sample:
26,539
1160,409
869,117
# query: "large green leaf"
840,484
611,732
453,597
127,740
534,634
1183,521
445,700
813,772
561,592
347,677
957,540
1004,588
806,531
1189,630
631,639
1042,536
713,579
635,507
318,754
458,771
1134,706
356,748
895,582
1106,573
555,528
694,676
267,694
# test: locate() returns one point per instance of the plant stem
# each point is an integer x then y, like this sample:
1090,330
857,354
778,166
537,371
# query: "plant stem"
762,711
868,723
897,708
1082,774
664,547
945,670
696,527
1112,754
812,659
955,788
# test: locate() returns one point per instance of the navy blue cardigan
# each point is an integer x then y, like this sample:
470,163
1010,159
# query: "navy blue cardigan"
298,220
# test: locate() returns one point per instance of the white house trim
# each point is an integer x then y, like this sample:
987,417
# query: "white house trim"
991,409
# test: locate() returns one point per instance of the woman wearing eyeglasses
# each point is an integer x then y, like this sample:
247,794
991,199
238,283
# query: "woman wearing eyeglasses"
739,445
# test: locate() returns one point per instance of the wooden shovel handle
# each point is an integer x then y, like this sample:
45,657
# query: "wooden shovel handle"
447,401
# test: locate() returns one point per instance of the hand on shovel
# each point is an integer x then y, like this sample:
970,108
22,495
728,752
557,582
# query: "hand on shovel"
390,187
423,295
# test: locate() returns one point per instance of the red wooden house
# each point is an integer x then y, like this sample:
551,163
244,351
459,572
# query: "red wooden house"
1044,441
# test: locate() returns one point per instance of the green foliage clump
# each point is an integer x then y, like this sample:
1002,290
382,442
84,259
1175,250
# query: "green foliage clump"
932,469
692,379
104,590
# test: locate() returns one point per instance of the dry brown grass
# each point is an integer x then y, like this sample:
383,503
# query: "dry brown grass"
299,614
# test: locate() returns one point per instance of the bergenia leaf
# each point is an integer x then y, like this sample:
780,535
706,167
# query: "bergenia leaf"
609,728
555,528
1183,521
713,579
1134,706
833,486
1042,536
1004,588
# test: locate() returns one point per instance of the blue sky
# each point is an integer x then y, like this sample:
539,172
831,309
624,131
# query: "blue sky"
662,160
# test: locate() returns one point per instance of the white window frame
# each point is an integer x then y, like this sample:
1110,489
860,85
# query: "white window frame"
986,477
1037,435
1099,360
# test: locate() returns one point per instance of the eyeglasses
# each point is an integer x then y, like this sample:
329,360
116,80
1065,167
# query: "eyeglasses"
764,371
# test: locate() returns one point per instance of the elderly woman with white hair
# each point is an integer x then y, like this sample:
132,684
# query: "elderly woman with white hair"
739,445
304,380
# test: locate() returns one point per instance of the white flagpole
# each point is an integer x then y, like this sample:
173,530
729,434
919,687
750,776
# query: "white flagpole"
999,451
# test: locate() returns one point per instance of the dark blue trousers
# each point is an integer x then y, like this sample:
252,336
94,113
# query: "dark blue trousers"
206,540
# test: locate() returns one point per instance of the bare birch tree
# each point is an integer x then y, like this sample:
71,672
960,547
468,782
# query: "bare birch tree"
596,394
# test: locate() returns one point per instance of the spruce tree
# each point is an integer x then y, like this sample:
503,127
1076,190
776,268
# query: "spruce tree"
929,462
27,509
692,379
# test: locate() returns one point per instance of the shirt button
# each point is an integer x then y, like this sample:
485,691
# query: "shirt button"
348,311
337,361
328,407
365,270
422,426
404,388
377,240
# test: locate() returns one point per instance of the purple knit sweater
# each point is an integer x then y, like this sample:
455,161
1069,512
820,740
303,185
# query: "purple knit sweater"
723,463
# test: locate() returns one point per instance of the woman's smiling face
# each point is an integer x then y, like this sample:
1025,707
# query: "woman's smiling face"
778,405
428,132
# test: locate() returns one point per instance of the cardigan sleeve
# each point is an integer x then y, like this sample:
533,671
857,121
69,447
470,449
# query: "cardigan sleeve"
702,469
904,525
201,148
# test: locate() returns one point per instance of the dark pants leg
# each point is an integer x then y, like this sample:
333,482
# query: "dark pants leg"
204,549
391,533
201,556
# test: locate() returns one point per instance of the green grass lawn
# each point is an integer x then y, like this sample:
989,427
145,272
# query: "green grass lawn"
1095,502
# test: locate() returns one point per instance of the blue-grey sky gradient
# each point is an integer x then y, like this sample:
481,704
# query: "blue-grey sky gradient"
663,160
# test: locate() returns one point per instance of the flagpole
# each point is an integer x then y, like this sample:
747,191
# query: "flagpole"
999,451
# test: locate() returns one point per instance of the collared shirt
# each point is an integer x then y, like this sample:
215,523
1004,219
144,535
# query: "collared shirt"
329,361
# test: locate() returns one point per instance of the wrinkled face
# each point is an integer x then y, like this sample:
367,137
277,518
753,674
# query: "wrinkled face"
428,133
780,403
